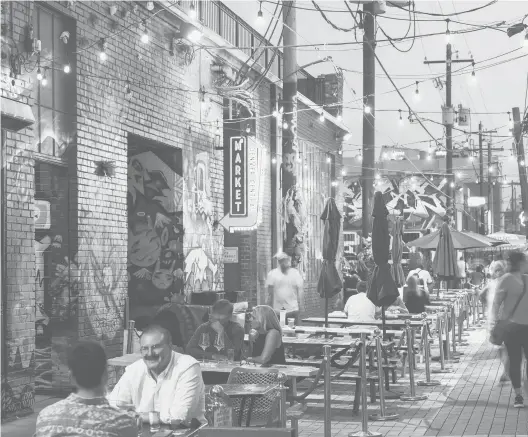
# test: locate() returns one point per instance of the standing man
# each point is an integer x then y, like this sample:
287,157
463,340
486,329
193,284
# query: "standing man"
285,288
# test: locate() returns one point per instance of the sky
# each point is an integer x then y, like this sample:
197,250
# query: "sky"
496,90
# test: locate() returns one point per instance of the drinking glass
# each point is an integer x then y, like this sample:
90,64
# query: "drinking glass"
131,410
155,421
205,342
231,356
219,343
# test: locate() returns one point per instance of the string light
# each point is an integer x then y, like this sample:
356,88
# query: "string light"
367,109
217,132
192,11
322,117
44,80
343,172
328,160
429,157
490,169
417,92
473,76
39,75
360,158
248,128
202,96
145,35
274,160
102,54
510,121
339,118
458,175
194,36
67,68
522,161
471,158
285,125
260,16
401,117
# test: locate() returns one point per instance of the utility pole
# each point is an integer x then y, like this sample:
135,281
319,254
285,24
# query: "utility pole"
449,120
482,227
289,135
519,128
369,121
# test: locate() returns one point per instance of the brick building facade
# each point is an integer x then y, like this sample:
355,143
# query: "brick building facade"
122,163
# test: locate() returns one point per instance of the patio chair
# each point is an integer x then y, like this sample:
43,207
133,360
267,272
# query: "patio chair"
264,410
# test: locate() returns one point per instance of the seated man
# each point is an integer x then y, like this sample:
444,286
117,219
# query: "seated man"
164,381
219,325
87,411
359,307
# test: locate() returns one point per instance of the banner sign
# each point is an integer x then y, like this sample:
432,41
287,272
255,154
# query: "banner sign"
238,177
246,185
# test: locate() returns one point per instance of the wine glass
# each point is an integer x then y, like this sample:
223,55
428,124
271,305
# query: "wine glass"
219,343
205,342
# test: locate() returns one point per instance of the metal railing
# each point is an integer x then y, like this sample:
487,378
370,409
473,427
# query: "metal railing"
222,20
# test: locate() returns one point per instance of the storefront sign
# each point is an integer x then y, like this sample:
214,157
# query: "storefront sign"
238,177
230,255
247,162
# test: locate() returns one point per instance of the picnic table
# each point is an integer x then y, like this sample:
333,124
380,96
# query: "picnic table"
188,432
391,323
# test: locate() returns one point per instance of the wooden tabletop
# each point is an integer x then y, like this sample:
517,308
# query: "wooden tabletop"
145,432
224,367
389,322
246,389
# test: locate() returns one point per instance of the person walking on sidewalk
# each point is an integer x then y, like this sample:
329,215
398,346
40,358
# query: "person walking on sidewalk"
285,288
511,304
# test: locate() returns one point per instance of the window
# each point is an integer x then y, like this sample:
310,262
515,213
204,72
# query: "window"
55,99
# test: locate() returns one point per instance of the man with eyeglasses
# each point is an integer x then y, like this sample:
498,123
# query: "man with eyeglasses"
164,381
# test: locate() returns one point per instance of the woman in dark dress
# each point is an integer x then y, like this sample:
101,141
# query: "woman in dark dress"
415,297
266,337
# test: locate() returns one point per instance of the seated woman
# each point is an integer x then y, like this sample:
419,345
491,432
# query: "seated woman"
415,297
398,307
266,338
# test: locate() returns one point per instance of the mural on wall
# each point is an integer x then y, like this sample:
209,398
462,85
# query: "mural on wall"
418,199
155,228
203,246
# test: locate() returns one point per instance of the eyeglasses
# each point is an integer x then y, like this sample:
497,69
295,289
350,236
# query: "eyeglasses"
157,348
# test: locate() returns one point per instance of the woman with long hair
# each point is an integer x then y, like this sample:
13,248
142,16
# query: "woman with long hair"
415,296
266,337
511,303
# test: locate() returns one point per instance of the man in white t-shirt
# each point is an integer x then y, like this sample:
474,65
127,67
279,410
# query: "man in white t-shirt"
285,288
423,275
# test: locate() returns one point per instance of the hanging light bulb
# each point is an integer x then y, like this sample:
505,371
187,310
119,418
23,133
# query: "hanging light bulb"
102,53
458,175
248,128
202,96
322,117
339,118
343,172
285,125
275,113
44,81
67,68
144,35
510,121
192,11
39,74
473,77
367,109
217,131
401,117
360,158
274,160
429,157
522,161
417,92
471,158
490,169
377,176
328,160
456,118
260,16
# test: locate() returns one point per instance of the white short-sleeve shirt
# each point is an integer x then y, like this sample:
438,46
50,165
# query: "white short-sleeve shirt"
287,288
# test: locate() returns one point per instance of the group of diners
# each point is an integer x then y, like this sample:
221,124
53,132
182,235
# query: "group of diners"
163,381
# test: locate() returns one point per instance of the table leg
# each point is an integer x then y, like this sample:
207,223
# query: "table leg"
251,402
241,412
294,422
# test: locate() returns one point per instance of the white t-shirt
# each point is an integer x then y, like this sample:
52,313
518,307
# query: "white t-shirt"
462,267
287,289
422,274
360,308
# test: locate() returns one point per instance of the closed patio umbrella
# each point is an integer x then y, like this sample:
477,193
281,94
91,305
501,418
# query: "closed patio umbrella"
330,283
445,262
397,252
382,290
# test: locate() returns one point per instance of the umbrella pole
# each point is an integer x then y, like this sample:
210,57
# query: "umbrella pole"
326,312
384,328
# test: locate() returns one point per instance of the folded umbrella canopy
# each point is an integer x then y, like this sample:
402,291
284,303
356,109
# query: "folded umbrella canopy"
330,283
445,263
461,241
382,290
397,253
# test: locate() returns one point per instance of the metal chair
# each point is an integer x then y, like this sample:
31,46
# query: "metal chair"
263,410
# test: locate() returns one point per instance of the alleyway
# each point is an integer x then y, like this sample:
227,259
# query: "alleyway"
470,402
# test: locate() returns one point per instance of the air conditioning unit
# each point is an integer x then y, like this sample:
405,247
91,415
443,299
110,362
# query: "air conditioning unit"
42,214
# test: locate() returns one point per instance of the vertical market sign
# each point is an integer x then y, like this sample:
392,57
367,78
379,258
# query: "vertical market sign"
247,170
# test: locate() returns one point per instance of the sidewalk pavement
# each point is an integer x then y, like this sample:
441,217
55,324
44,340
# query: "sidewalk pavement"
470,402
